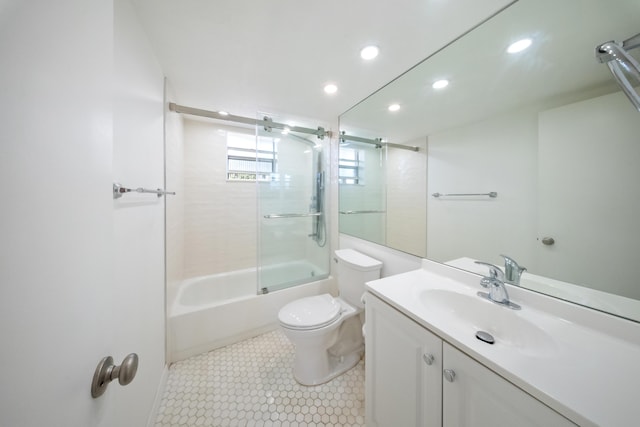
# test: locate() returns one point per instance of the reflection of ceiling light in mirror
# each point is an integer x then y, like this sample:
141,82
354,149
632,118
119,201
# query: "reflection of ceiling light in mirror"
330,88
519,46
285,131
440,84
394,107
369,52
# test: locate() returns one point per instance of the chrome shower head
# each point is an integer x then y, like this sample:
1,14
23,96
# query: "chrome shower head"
624,67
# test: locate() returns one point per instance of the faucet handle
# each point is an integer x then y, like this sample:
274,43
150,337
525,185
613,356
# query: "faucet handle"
494,272
512,270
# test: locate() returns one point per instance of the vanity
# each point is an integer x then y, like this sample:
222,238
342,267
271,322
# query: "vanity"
552,363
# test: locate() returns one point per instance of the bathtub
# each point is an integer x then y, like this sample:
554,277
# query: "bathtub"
214,311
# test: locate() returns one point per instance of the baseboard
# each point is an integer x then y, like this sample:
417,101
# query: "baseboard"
157,401
177,356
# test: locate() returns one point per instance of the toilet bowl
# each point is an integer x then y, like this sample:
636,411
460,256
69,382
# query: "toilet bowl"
327,331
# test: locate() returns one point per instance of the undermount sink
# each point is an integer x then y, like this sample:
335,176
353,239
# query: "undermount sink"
469,313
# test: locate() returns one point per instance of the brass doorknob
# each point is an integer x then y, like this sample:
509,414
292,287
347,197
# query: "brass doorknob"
106,372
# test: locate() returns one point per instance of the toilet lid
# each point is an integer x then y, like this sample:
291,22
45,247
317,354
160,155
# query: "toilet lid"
310,312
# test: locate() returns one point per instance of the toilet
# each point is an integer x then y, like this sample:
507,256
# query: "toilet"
327,331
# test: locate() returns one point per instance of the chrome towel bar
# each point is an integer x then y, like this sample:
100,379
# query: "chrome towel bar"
360,212
119,190
492,194
292,215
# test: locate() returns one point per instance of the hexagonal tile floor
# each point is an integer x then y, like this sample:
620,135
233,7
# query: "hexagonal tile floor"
250,384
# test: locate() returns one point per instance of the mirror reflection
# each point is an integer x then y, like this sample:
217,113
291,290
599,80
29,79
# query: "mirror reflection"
524,106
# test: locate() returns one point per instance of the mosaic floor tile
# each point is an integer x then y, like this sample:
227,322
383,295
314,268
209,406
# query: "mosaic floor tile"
250,384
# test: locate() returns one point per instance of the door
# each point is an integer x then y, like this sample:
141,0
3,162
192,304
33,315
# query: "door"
362,201
293,238
403,370
477,397
57,298
63,303
589,198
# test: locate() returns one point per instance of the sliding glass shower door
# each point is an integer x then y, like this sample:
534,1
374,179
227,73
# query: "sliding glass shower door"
292,231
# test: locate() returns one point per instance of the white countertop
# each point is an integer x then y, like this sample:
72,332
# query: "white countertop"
610,303
591,372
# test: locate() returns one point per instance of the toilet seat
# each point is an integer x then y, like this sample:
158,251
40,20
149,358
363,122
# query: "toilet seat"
310,312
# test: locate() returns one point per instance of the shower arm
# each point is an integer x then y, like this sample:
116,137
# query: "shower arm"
631,42
616,57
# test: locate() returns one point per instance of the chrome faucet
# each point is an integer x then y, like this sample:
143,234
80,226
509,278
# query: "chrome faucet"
495,283
512,270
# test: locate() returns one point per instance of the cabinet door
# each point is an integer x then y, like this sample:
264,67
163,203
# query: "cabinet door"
478,397
403,370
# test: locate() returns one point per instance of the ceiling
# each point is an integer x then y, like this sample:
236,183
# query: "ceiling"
559,68
275,56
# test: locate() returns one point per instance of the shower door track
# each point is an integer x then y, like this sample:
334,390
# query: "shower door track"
266,122
378,142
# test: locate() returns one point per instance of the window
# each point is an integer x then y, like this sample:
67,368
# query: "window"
350,164
248,162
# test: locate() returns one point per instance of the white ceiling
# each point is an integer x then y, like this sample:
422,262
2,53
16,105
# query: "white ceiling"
559,68
275,56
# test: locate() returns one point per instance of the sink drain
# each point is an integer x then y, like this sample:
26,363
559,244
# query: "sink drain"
485,336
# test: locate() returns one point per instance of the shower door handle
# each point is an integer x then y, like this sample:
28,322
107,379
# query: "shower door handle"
292,215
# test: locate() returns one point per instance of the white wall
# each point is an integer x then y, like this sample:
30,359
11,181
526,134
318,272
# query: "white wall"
393,261
498,154
589,193
138,161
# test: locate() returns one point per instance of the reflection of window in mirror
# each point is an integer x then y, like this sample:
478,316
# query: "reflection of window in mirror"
248,162
351,166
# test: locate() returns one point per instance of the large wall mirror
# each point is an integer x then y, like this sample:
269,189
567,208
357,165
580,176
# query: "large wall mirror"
533,154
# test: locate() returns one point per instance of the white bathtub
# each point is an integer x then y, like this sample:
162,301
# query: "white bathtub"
214,311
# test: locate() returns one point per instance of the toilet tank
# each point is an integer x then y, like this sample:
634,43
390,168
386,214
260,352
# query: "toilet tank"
354,270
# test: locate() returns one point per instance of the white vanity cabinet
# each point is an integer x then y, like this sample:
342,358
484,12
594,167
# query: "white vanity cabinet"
403,369
478,397
414,378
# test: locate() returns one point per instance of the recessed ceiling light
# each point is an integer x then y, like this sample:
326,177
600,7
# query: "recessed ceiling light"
223,113
330,88
519,46
440,84
369,52
394,107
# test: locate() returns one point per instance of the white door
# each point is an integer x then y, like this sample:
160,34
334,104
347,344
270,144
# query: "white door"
63,306
57,302
477,397
589,197
403,370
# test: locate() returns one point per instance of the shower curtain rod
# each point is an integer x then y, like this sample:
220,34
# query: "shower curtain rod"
378,141
267,123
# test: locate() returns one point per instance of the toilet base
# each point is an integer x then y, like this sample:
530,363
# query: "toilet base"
320,358
338,365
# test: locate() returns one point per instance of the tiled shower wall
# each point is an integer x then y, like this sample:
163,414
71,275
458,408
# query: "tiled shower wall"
174,181
219,216
407,198
212,227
